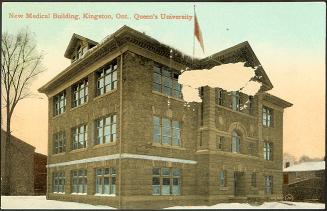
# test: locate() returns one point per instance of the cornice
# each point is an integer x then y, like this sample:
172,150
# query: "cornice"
125,36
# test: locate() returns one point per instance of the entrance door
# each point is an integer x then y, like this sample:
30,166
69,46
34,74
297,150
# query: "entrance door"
238,182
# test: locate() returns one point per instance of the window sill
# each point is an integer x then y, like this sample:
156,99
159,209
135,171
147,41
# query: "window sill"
223,188
79,106
170,97
105,94
59,115
78,193
237,112
78,150
104,145
58,192
108,195
58,154
264,126
168,146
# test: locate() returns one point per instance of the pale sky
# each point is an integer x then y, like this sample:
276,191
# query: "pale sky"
288,39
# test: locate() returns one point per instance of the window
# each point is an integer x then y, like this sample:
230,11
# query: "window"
250,104
254,179
235,142
236,101
79,52
166,181
222,178
166,82
166,131
267,151
268,184
59,103
80,93
267,117
79,137
58,182
220,142
220,96
105,181
107,78
79,181
251,149
59,142
106,129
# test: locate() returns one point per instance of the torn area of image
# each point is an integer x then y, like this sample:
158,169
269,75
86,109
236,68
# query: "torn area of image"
230,77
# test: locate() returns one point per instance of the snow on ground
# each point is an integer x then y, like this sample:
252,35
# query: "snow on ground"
266,205
40,202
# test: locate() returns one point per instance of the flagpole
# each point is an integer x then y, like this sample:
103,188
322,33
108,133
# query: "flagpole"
193,32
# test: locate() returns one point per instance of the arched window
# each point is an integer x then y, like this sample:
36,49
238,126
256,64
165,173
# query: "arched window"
235,142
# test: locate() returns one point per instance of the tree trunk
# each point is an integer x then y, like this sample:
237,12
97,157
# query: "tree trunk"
6,189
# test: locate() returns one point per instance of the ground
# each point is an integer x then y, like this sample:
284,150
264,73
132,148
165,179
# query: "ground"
40,202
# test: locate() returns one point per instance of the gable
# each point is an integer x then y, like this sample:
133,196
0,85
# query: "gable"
76,42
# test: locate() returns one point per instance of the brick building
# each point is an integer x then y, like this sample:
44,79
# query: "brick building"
21,166
305,181
120,133
40,174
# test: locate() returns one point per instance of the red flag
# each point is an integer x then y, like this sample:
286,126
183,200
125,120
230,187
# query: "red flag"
197,32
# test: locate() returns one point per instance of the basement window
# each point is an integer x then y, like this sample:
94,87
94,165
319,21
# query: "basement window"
166,181
58,182
79,181
105,181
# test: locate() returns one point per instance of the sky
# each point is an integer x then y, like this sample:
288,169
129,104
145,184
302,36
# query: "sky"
288,39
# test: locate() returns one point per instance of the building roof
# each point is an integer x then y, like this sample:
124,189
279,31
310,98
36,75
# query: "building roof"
277,100
241,52
306,166
14,139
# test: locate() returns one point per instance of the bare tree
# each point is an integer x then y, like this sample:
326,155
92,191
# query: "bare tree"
20,64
